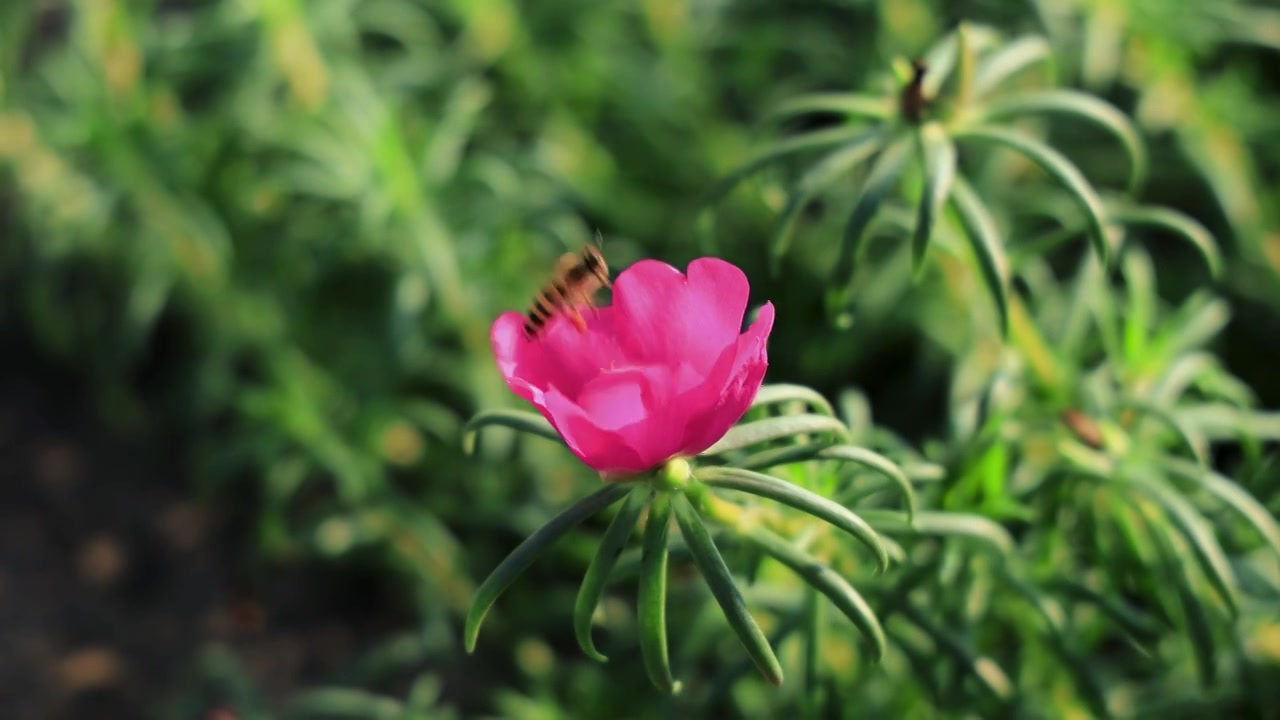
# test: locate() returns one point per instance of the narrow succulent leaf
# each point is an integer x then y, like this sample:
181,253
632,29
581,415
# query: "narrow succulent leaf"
815,620
597,577
854,105
827,581
773,457
938,160
855,410
732,672
1182,373
805,142
1194,612
457,123
1200,631
1177,223
794,496
1197,321
1193,440
785,393
1231,494
1058,167
776,428
1009,60
1136,623
966,67
651,603
1204,546
988,250
707,557
941,58
849,453
884,172
1140,310
939,62
1077,105
985,670
953,524
529,550
344,702
831,168
627,569
1217,421
529,422
881,464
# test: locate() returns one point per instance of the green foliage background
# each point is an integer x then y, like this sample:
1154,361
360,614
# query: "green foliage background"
284,227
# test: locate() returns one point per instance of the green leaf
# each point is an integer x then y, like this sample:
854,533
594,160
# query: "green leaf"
1213,561
1136,623
794,496
1195,613
1010,59
825,580
988,250
1197,321
1179,224
725,590
836,164
966,67
938,159
1182,373
941,58
1225,422
345,702
884,171
1139,315
849,453
955,524
1058,167
597,577
1078,105
1192,440
848,104
740,436
521,420
651,604
985,670
1232,495
816,140
779,393
526,552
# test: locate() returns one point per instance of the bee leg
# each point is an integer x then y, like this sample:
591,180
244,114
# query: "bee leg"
576,318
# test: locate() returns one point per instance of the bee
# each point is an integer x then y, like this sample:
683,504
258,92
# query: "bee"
575,281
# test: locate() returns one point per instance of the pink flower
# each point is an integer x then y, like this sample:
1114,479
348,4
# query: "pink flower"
663,372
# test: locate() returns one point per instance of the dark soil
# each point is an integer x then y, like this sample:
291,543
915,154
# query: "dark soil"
115,582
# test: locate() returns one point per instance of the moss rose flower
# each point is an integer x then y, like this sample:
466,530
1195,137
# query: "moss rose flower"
664,372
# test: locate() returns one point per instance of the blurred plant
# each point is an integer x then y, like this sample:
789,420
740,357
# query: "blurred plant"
1094,434
1171,59
918,116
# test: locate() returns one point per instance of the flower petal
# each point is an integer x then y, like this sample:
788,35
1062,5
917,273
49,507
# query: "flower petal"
665,316
730,392
561,356
622,420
